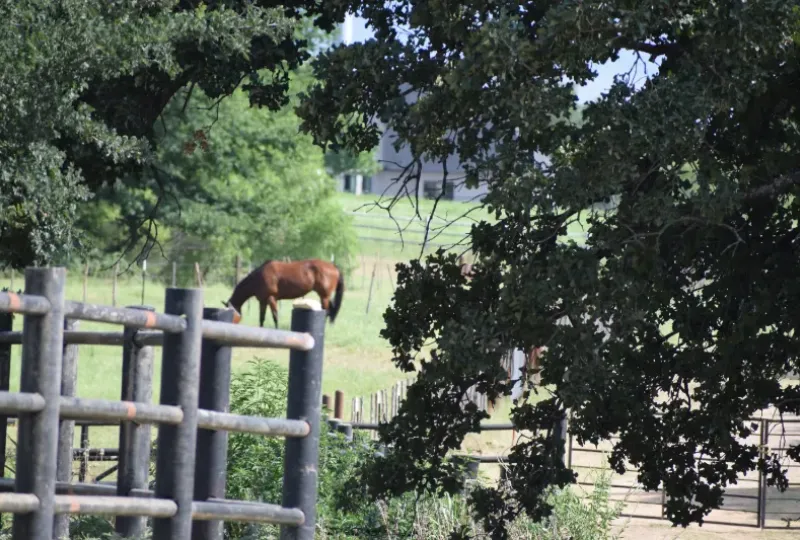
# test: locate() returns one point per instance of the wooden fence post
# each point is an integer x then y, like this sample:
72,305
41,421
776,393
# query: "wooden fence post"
85,281
210,472
144,278
134,439
560,433
40,373
301,456
338,405
762,478
180,382
66,428
83,471
6,325
371,282
114,284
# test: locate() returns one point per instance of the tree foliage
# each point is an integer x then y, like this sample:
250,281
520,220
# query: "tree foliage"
245,182
675,322
84,83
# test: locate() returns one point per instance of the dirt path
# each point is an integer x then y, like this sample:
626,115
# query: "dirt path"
654,530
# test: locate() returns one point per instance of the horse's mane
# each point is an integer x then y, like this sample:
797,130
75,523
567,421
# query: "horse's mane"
262,265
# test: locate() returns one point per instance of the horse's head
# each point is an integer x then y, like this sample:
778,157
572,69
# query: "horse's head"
237,317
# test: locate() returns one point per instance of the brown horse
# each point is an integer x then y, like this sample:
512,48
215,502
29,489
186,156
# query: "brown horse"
278,280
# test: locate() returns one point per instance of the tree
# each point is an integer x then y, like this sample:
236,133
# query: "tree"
247,183
343,162
680,308
84,83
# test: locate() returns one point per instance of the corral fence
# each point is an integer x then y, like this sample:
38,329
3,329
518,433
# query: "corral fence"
383,405
188,499
750,503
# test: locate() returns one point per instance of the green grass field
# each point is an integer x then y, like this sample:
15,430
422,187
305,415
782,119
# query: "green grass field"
357,359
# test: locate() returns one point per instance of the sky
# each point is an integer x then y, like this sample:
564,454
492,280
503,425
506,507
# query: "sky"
356,30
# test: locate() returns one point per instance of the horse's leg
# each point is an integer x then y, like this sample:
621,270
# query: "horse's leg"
273,306
262,306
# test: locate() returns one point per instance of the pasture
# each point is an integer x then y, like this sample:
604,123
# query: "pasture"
356,359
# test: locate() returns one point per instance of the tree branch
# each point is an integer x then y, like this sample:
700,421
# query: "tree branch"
774,188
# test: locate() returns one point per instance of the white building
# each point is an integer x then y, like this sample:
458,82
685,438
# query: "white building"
387,181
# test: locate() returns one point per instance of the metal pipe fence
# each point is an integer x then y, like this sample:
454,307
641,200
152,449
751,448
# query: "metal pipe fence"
192,417
789,429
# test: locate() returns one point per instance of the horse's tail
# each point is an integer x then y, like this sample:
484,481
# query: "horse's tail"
336,303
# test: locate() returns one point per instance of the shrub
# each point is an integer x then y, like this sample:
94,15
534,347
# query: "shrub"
255,463
576,516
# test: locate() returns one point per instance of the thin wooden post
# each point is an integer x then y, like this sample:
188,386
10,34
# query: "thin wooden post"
114,284
391,276
6,325
762,479
85,281
338,404
144,277
326,401
66,428
84,467
560,433
134,439
174,274
371,282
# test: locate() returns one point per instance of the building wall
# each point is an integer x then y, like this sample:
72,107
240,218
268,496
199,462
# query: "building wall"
393,161
385,183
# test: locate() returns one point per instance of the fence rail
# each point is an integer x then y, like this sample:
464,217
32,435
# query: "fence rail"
191,418
757,516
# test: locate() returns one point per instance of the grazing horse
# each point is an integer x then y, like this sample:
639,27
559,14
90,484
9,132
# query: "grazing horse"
278,280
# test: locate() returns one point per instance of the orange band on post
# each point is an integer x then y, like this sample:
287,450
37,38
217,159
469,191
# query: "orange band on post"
150,319
14,301
74,505
131,410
